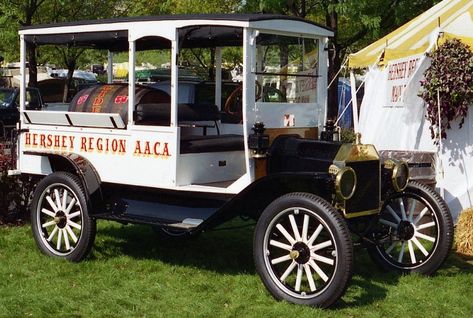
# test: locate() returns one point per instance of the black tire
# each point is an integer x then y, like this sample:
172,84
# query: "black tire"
60,220
325,230
424,229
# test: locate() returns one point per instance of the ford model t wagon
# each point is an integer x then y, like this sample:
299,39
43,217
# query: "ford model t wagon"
185,154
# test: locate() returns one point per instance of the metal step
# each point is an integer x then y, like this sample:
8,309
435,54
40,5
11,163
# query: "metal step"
186,224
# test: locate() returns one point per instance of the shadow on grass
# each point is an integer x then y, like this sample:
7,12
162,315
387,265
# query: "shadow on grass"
224,251
230,252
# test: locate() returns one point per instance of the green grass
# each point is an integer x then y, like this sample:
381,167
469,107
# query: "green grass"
132,273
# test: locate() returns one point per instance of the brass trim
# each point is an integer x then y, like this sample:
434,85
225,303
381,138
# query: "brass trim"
338,181
351,152
362,213
396,166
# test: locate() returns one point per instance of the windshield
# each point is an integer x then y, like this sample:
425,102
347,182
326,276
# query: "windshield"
287,68
6,97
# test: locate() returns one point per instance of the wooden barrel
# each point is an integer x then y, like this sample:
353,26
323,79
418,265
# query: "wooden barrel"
113,98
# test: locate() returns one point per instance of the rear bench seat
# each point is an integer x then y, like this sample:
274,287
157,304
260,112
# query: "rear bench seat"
159,114
213,143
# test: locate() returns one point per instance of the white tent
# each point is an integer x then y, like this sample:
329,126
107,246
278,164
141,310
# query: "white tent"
393,116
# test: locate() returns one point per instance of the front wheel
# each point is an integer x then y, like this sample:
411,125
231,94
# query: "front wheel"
60,218
415,231
303,251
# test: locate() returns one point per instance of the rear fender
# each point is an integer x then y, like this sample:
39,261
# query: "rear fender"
81,167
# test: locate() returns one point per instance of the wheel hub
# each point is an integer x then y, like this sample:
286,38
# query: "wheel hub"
300,253
405,230
60,219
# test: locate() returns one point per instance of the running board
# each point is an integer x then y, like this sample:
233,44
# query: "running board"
187,224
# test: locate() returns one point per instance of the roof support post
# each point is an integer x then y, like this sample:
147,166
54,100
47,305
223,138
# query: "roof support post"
354,101
322,83
218,77
131,80
249,96
22,74
110,68
174,78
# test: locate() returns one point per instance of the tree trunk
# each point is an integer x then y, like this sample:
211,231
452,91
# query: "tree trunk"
70,73
333,67
33,69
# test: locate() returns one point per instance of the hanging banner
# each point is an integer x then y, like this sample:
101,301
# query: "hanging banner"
399,74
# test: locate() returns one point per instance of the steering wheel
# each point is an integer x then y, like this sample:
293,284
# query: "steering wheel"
234,104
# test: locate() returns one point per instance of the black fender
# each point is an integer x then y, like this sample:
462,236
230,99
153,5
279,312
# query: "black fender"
258,195
81,167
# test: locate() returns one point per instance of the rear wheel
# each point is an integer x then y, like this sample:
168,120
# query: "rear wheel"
415,231
303,251
60,218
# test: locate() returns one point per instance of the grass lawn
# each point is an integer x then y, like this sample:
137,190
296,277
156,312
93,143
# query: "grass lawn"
132,273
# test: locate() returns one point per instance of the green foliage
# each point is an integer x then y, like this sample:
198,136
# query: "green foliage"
14,192
451,76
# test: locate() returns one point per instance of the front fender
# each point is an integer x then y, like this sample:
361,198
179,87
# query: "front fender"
257,196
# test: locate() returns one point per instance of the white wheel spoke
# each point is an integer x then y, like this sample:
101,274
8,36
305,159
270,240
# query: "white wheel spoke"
322,259
298,278
288,271
66,239
388,223
411,210
321,246
315,235
425,237
71,233
74,224
49,224
295,230
51,203
73,215
280,245
421,215
59,240
403,210
52,234
281,259
286,235
411,252
305,228
425,226
420,246
58,199
49,213
393,213
401,253
71,205
310,279
390,248
318,270
64,199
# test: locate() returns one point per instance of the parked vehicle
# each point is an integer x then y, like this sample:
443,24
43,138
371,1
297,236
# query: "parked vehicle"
9,104
135,154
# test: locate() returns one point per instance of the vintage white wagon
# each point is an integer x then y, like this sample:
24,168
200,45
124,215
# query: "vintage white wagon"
184,157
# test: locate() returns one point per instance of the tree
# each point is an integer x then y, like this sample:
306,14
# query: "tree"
24,12
355,23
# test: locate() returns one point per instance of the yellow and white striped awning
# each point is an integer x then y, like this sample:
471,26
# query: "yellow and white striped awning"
450,18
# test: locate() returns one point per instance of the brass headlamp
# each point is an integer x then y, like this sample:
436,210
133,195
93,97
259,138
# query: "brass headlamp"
345,181
399,173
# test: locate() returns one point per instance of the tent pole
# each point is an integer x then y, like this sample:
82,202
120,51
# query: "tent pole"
440,152
354,101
